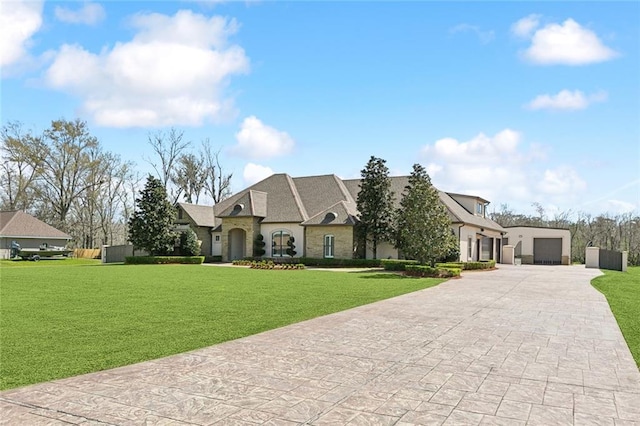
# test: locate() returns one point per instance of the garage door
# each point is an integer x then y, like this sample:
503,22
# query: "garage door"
547,251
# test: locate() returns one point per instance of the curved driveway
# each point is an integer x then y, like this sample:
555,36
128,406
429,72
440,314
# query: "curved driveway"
530,345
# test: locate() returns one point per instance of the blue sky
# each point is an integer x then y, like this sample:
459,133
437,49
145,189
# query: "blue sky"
517,102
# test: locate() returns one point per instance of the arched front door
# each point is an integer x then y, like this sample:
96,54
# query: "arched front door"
237,238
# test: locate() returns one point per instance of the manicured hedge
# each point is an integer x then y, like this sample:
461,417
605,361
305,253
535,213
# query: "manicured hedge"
396,264
212,259
163,260
428,271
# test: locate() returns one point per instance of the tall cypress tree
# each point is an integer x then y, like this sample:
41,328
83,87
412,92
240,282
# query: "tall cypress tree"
423,225
375,204
150,227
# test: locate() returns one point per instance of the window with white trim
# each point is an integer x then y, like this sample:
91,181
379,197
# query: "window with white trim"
279,241
328,246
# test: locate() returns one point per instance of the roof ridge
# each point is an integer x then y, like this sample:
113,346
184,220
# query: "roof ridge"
296,196
343,188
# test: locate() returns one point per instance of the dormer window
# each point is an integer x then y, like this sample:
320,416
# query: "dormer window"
480,209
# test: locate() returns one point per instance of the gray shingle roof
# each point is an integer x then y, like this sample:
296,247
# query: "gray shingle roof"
341,213
309,200
18,224
201,215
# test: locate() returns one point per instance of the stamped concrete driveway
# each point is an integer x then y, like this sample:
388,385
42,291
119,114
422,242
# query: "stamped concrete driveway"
520,345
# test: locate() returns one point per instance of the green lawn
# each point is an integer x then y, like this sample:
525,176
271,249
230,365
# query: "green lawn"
62,318
622,290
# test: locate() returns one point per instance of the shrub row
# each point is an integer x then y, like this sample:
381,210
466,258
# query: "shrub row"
270,265
428,271
212,259
163,260
396,264
469,266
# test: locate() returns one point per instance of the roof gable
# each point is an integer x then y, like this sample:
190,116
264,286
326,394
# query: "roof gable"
199,214
19,224
341,213
319,192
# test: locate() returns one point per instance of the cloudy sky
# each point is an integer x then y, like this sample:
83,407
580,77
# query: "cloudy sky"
517,102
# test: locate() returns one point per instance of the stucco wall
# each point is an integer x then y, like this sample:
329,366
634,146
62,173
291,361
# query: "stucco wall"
469,231
297,231
526,235
343,241
385,251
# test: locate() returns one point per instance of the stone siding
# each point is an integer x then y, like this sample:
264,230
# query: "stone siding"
343,241
251,228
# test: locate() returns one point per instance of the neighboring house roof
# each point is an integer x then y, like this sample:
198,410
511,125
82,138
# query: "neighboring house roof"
199,214
323,200
18,224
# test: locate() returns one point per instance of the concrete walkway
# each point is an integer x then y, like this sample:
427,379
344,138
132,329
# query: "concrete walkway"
520,345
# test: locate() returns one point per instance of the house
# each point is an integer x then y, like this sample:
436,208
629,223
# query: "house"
320,213
540,246
27,231
202,221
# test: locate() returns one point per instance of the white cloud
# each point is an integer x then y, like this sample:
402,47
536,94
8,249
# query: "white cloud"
566,100
257,140
173,72
525,26
255,173
561,181
568,43
19,21
88,14
618,207
501,169
484,36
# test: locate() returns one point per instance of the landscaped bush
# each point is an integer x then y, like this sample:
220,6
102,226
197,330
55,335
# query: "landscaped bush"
486,264
163,260
396,264
271,265
212,259
428,271
189,245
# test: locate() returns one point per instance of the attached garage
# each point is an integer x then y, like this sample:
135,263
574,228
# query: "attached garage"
539,246
547,251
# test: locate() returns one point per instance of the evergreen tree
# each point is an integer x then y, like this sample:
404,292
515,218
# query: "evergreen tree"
423,226
189,244
375,204
258,246
150,227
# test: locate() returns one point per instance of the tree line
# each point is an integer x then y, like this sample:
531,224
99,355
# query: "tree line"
66,178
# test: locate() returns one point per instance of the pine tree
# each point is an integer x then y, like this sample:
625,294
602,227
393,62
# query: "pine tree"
375,204
150,227
423,226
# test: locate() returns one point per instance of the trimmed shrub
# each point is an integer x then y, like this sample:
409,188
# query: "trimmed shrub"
163,260
469,266
428,271
258,246
396,264
212,259
291,247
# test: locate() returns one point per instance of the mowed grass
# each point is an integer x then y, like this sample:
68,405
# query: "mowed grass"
622,290
61,320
